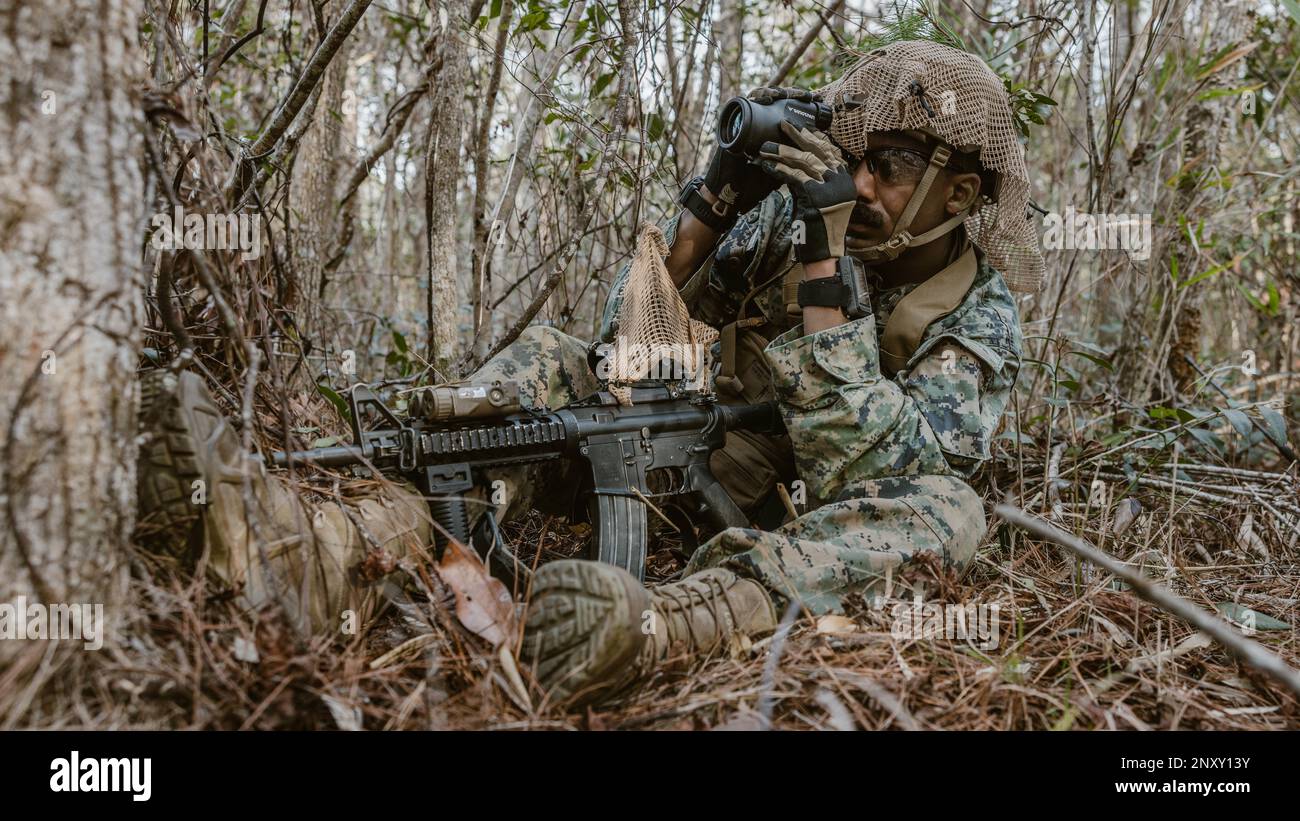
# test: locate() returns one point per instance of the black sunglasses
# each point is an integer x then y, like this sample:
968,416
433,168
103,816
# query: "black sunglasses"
896,166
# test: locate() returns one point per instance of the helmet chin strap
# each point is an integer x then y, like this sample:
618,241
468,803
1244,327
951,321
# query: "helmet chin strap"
901,240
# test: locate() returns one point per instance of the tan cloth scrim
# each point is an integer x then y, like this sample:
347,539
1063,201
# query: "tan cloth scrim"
740,347
925,86
937,297
790,291
657,337
747,329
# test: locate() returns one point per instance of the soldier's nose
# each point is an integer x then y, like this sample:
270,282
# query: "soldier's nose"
865,182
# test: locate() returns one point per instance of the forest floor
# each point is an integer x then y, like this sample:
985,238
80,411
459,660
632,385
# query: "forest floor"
1073,647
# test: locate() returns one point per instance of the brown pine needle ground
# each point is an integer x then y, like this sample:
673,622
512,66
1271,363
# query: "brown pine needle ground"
1075,650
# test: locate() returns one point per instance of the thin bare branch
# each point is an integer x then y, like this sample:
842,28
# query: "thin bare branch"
1249,651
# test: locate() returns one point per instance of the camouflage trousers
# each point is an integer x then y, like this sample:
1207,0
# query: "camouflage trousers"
326,562
849,547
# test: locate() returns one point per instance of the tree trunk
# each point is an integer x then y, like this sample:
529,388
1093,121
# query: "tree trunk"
533,102
1204,134
481,267
442,175
731,44
320,157
70,233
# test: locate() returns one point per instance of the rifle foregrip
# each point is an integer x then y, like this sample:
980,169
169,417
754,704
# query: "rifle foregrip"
452,516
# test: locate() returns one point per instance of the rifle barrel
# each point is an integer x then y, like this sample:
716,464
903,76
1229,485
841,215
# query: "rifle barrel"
325,457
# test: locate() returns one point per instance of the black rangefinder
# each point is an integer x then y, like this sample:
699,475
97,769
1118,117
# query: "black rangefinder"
745,124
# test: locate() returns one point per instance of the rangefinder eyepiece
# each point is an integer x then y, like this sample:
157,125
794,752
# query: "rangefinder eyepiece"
744,125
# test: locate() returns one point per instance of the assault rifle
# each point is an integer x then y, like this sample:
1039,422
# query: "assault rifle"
651,452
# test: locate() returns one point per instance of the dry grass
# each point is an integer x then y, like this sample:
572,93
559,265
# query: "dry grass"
1076,649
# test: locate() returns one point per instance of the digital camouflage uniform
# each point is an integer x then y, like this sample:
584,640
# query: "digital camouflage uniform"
884,460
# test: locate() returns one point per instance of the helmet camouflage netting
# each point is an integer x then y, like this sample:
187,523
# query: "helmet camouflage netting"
892,87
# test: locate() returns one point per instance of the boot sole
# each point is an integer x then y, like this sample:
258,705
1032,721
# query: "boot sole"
183,428
584,629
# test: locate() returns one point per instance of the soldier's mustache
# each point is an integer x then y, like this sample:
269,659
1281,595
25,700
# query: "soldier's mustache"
864,215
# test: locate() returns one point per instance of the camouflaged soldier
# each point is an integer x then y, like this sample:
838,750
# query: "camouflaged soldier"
889,415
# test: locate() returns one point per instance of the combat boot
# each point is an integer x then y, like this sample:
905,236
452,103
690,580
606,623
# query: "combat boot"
594,632
319,562
191,472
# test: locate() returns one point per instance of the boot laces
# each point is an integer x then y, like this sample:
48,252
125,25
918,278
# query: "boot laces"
710,594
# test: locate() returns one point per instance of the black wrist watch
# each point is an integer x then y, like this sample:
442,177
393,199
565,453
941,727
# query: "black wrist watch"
715,215
823,292
847,290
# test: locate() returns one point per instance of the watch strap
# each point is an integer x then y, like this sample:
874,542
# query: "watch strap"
823,292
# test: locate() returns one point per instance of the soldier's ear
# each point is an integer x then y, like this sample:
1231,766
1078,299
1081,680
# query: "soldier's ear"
963,190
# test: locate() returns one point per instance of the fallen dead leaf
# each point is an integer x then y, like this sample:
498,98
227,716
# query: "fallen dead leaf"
1247,539
347,716
245,650
1126,514
833,625
483,603
1196,641
1248,618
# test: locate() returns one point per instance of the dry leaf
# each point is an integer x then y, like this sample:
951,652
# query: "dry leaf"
1248,541
483,604
1117,635
1125,515
1196,641
511,671
245,650
832,625
1246,617
346,716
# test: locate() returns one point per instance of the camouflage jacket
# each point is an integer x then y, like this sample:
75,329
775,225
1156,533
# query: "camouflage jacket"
848,422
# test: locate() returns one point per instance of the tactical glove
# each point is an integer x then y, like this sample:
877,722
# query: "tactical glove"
739,184
823,189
